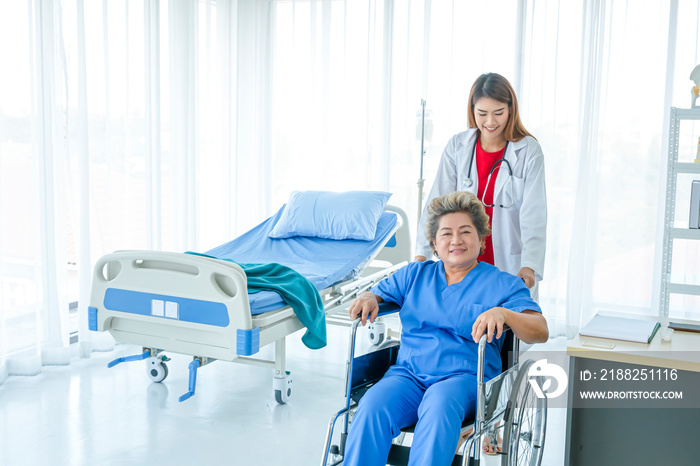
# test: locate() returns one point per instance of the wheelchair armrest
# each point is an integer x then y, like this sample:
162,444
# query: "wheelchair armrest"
385,309
388,308
481,385
481,352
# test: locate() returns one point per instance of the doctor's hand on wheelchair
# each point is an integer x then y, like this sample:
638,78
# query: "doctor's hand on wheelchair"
528,276
365,306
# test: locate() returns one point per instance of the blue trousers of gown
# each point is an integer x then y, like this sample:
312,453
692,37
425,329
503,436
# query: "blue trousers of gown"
399,400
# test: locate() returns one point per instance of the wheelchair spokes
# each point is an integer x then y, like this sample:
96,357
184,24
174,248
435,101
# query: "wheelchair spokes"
525,424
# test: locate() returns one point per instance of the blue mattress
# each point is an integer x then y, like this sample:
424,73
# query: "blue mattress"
324,262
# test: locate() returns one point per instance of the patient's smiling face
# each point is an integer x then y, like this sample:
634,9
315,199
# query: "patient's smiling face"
457,241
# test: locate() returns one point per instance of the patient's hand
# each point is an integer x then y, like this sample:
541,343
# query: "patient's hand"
365,306
491,322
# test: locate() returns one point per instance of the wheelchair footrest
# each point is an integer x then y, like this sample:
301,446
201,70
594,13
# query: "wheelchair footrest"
398,455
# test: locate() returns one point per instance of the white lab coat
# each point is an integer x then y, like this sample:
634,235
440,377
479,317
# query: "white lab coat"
519,232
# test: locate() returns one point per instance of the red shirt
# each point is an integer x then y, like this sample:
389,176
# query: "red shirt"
484,163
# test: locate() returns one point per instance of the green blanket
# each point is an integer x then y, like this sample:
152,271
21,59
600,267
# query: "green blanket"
295,289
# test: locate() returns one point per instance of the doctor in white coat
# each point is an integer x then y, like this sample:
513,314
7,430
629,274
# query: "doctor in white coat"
497,144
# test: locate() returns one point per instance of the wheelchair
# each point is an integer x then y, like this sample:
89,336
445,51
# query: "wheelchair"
506,405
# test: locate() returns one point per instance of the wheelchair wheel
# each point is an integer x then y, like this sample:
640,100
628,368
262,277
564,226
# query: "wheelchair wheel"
525,423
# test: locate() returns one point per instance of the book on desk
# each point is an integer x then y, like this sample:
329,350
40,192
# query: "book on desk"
620,328
695,328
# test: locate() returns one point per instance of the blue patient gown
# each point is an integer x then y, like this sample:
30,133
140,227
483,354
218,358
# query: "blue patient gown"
433,383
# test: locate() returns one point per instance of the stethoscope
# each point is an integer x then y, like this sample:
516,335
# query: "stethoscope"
469,182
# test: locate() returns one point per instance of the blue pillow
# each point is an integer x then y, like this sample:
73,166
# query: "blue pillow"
323,214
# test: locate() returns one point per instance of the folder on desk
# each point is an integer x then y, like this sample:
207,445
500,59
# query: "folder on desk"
620,328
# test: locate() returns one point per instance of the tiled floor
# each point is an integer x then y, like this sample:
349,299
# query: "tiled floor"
86,414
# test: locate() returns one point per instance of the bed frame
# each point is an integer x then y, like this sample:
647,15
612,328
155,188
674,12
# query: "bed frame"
199,306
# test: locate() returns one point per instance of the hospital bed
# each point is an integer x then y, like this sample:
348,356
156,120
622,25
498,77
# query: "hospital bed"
506,405
199,305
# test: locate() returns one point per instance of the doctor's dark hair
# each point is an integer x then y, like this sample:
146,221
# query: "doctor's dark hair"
496,87
458,201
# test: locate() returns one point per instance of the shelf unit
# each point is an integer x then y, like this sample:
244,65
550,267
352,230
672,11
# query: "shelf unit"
670,232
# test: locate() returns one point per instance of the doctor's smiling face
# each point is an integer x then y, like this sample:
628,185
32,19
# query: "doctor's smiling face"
457,240
491,118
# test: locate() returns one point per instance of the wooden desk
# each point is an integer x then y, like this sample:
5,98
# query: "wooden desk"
626,431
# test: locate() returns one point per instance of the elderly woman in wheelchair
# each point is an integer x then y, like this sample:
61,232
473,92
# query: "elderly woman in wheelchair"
446,307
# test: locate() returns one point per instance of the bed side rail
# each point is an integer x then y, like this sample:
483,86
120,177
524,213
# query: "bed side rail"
398,248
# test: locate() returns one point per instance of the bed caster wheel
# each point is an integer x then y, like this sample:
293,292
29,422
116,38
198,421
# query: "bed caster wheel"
282,385
157,369
377,330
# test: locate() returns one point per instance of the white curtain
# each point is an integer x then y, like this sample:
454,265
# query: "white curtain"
118,130
178,125
601,116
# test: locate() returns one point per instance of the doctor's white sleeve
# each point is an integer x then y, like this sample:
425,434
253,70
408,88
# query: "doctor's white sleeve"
533,215
445,183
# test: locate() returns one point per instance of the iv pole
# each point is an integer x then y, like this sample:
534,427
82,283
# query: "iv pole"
421,181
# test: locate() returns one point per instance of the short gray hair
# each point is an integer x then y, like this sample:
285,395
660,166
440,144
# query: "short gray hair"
458,201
